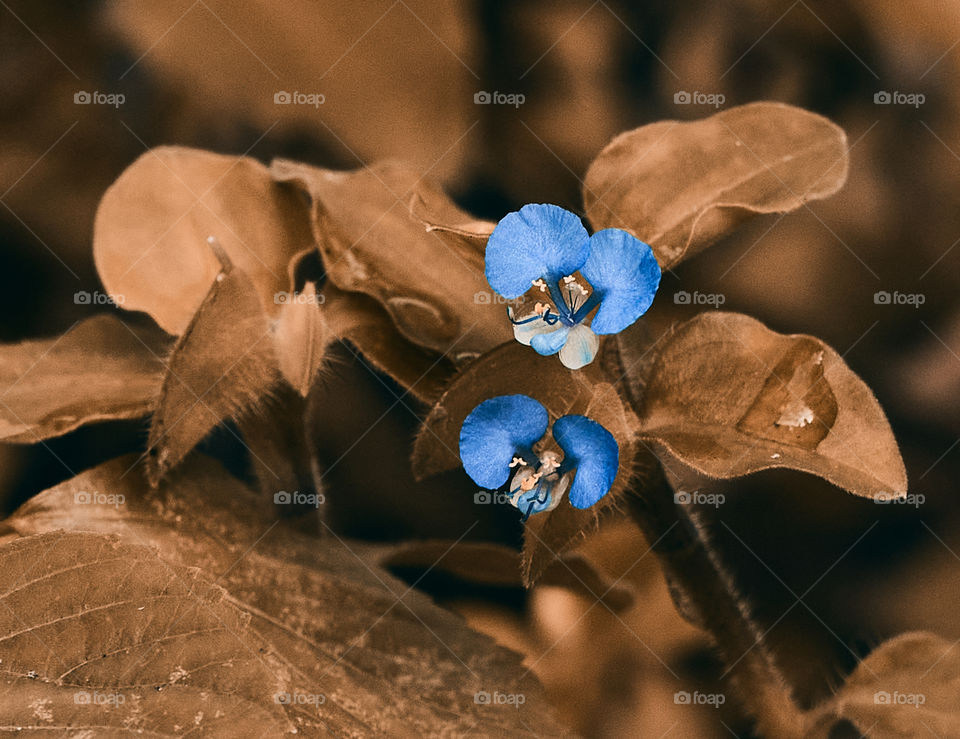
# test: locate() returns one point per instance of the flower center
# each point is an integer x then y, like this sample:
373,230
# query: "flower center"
536,490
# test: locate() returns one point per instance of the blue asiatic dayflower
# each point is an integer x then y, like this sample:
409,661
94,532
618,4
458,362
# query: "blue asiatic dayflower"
496,447
543,246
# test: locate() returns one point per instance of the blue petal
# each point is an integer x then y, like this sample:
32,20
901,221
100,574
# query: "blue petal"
581,347
550,343
624,273
536,241
590,448
493,433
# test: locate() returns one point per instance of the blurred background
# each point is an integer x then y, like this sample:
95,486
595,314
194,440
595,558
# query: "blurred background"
88,86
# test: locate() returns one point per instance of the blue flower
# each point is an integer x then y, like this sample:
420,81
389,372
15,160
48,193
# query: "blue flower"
496,446
543,246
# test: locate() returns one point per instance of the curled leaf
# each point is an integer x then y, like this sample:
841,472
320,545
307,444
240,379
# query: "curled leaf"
679,186
222,366
429,279
728,396
100,370
149,241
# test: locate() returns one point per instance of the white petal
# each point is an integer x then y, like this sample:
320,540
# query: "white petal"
524,333
581,347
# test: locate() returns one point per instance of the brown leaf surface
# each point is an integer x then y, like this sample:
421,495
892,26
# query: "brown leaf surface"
222,366
427,278
295,614
680,186
906,687
100,370
152,225
728,396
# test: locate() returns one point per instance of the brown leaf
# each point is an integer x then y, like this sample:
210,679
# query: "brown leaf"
100,370
298,615
907,686
364,323
728,396
680,186
300,338
152,225
430,280
508,369
223,365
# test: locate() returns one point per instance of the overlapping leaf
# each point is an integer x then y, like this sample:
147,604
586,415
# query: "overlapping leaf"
229,611
388,232
728,396
680,186
100,370
223,365
153,222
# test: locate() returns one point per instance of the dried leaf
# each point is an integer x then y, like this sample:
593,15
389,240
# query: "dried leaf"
152,225
907,686
728,396
680,186
298,615
430,280
100,370
222,366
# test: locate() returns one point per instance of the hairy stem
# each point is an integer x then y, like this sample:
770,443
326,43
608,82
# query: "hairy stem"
706,594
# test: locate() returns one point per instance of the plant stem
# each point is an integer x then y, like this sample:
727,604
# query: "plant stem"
706,594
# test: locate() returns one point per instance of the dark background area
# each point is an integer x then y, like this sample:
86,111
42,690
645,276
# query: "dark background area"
399,81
